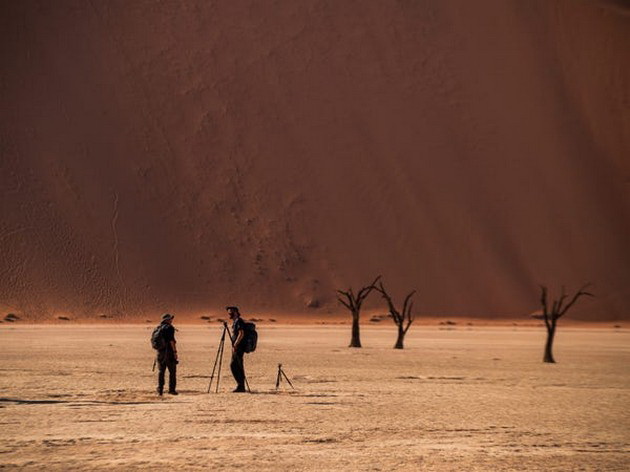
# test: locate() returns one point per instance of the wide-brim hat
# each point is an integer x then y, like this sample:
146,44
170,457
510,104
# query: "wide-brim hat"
235,308
167,316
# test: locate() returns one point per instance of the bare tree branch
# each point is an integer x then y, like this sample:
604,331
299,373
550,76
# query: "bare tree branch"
348,306
410,318
543,301
407,298
579,294
365,291
543,298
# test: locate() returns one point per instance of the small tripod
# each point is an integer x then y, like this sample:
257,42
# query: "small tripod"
279,377
218,361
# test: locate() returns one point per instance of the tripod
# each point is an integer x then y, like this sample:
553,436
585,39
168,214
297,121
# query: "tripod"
279,377
218,361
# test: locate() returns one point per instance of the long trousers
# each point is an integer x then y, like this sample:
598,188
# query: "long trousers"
167,361
237,368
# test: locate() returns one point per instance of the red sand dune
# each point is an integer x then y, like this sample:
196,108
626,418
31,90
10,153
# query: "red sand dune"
182,156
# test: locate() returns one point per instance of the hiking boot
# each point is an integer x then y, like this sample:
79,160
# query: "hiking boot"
159,391
172,392
239,390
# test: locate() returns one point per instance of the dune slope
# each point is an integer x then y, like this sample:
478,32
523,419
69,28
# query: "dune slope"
159,156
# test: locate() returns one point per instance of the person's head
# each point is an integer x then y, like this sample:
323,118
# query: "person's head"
233,312
167,318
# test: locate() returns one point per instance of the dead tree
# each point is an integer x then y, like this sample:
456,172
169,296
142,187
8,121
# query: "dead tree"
558,308
353,303
403,319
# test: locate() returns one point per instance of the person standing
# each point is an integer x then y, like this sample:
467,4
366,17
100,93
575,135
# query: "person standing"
238,348
167,355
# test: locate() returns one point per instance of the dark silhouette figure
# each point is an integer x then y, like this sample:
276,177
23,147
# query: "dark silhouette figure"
238,348
353,303
403,319
551,317
167,357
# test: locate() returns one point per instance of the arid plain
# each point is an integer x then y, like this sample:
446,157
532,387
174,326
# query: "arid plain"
82,397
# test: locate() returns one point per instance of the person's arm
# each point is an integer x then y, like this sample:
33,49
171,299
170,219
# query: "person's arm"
239,338
169,336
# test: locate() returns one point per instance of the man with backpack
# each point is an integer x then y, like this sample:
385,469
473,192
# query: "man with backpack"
239,347
163,340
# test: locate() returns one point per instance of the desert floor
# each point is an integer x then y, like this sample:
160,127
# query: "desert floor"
462,398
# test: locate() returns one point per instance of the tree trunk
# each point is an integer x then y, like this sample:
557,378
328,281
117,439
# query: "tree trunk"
551,332
401,338
356,337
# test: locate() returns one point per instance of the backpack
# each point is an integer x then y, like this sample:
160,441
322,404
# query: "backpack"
157,339
250,337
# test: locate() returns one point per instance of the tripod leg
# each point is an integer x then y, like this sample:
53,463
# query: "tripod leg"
244,376
278,379
214,368
220,363
287,379
217,360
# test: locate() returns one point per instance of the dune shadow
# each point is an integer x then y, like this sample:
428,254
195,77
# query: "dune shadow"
19,401
320,441
274,392
318,395
75,403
